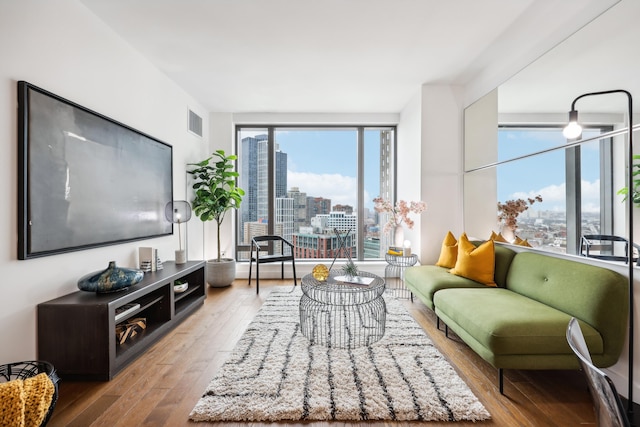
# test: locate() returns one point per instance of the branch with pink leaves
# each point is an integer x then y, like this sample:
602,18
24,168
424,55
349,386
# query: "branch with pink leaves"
398,213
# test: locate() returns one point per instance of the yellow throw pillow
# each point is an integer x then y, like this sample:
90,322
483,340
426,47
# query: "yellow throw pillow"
448,252
526,243
476,263
521,242
497,237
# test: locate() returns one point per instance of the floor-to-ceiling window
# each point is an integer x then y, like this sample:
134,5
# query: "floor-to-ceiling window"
315,187
575,184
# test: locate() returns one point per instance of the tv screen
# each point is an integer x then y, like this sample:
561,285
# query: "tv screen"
85,180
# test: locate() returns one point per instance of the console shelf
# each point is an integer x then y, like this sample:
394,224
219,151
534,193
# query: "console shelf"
77,332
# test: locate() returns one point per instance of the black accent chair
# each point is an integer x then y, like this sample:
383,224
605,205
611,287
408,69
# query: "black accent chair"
604,245
608,406
286,253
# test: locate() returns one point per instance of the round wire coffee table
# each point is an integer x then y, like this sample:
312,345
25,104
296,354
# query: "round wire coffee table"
340,314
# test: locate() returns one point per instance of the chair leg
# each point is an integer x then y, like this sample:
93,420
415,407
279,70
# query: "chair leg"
295,280
257,277
250,264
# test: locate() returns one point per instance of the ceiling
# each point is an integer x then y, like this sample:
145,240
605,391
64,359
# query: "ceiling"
336,55
601,56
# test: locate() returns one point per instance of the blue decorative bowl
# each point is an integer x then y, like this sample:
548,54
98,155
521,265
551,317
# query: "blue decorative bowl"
110,280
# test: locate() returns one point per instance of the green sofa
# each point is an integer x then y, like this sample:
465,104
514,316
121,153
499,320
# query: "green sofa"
521,324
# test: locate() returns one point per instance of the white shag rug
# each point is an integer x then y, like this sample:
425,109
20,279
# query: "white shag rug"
275,374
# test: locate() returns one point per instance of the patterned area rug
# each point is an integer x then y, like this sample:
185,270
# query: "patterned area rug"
275,374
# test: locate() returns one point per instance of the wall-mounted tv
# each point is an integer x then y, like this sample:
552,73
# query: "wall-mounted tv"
85,180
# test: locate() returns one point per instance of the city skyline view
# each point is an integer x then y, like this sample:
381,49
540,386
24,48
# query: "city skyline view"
316,187
328,169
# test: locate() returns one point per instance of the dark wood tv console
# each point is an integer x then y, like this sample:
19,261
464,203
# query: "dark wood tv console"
77,332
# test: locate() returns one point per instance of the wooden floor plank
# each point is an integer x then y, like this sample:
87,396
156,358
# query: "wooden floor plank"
162,386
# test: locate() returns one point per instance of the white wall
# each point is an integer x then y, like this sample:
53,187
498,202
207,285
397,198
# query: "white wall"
408,163
441,166
61,47
480,149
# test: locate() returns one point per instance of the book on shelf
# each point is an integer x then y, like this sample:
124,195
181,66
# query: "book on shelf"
395,250
123,310
355,280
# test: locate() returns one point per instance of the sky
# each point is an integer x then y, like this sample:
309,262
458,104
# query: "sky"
323,164
544,174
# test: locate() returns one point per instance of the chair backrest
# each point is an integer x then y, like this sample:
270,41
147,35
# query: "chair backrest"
278,244
607,403
603,246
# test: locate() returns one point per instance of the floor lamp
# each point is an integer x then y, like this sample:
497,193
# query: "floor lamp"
574,130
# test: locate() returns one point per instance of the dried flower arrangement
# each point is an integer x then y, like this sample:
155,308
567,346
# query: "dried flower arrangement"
508,211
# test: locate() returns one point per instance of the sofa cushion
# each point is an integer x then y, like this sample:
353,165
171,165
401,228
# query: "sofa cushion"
504,256
502,321
477,263
425,280
448,251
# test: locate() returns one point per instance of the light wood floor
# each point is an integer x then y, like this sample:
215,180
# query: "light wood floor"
161,387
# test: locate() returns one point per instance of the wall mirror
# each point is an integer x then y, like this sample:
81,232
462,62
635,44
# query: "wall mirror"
514,147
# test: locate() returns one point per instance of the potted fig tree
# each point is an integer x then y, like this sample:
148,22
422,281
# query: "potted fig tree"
216,194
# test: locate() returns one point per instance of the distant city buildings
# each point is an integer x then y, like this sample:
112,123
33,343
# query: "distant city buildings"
343,208
309,222
317,206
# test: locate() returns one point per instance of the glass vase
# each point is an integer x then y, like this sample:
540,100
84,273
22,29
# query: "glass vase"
398,236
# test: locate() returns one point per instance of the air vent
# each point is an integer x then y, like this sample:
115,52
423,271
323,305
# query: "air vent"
195,123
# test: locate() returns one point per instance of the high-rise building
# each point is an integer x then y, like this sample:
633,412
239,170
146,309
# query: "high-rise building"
254,179
299,208
342,222
249,178
281,173
317,206
285,216
386,190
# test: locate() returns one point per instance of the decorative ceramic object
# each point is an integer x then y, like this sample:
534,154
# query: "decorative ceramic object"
220,273
320,272
110,280
180,287
181,256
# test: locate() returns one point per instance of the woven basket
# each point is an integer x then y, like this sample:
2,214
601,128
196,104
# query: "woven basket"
24,370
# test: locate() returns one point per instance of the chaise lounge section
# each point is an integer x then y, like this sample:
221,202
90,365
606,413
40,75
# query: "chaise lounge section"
521,323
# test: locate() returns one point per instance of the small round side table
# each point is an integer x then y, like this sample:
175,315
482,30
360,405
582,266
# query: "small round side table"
394,273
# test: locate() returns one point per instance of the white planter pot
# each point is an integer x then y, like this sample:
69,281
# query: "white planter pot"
220,274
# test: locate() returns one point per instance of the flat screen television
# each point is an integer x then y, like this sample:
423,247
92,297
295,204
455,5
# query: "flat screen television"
85,180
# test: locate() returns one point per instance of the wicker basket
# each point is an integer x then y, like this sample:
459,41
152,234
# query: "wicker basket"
24,370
